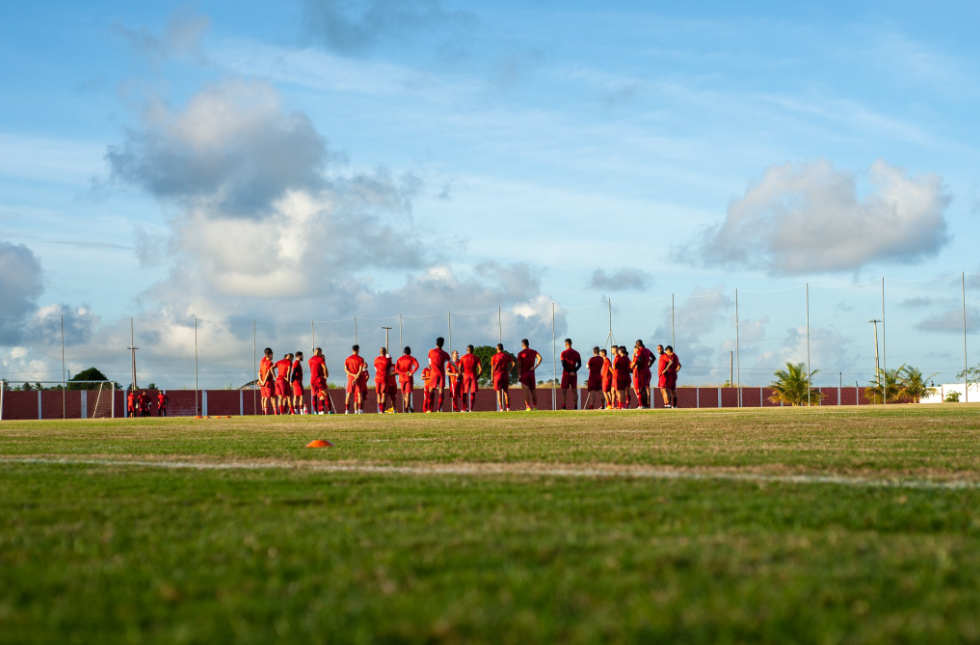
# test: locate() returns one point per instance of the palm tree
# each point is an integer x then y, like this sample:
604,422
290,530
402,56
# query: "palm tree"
913,385
792,386
890,381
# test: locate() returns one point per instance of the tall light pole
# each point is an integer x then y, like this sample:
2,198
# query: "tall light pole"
387,329
877,367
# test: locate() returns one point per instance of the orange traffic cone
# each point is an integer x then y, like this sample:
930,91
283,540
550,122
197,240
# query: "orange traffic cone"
319,443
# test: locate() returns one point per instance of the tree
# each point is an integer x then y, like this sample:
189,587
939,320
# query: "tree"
90,374
26,387
913,385
890,381
970,375
485,354
793,387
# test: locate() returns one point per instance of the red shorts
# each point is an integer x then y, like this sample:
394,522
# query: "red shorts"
594,384
407,385
527,380
318,389
668,381
282,388
641,380
501,382
381,387
569,380
470,384
356,385
267,391
607,385
623,382
297,388
437,381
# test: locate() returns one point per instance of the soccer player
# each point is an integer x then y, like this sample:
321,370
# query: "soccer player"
571,363
355,367
455,381
284,370
318,383
391,386
623,378
426,375
670,376
501,365
143,402
296,380
594,387
613,355
607,379
472,368
382,365
642,360
528,360
406,367
162,402
131,404
662,362
266,380
437,374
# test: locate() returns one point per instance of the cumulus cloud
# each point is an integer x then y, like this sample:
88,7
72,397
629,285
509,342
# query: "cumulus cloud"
359,26
811,218
624,279
951,321
20,279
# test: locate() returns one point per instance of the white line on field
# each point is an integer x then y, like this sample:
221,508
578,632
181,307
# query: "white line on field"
492,469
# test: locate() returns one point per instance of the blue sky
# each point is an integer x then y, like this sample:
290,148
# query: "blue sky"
428,155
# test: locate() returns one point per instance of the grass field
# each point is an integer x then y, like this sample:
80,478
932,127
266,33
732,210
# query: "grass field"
826,525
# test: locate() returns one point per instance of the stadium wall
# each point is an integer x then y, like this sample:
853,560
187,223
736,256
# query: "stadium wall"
50,404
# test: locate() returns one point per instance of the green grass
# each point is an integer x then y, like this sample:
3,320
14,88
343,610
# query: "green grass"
113,553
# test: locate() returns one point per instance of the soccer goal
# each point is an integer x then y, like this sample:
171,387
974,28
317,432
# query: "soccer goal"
53,400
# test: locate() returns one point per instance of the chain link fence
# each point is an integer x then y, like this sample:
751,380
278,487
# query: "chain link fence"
730,342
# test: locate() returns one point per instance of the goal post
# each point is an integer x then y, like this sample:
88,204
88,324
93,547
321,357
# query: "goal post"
58,400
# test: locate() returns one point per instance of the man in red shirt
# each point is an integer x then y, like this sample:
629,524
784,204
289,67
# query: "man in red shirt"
355,367
437,374
131,404
143,402
382,365
607,379
669,377
318,383
162,401
571,362
501,365
622,365
455,381
528,360
284,369
296,383
426,374
662,361
594,385
613,375
406,367
266,380
472,368
391,386
642,360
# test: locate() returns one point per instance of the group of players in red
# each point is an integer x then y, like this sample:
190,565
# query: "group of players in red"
611,376
140,403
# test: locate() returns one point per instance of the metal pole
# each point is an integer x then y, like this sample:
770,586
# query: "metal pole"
877,364
884,351
255,370
450,312
809,373
554,363
312,336
609,301
401,344
64,383
731,368
738,361
966,362
500,327
355,330
133,348
196,384
672,341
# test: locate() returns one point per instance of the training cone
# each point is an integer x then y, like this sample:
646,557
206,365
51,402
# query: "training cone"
319,443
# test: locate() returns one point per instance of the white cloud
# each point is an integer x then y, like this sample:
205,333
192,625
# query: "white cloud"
20,279
811,218
624,279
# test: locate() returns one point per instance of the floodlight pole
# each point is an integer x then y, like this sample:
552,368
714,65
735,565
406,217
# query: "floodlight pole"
877,365
884,351
966,366
64,383
672,341
809,373
387,329
738,359
132,348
